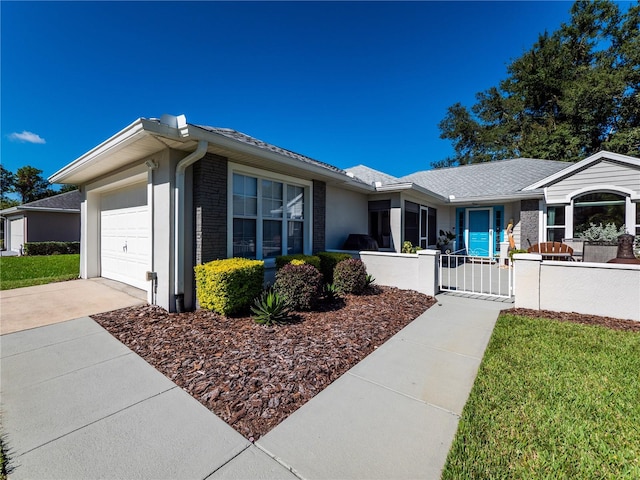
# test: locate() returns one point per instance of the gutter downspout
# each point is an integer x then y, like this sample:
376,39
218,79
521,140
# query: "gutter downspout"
179,221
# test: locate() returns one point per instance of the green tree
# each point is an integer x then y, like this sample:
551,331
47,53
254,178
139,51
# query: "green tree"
7,186
575,92
30,184
68,188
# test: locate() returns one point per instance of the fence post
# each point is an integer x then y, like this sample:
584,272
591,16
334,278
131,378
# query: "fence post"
428,263
526,281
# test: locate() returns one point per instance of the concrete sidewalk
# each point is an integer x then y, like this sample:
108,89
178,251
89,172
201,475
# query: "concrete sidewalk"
76,403
31,307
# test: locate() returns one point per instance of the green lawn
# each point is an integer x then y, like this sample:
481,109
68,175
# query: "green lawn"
552,400
16,272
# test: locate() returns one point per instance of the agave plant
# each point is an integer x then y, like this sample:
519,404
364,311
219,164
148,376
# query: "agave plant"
270,308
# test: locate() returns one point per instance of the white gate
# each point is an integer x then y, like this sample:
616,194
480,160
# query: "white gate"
475,275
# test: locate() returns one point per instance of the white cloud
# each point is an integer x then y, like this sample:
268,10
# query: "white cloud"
28,137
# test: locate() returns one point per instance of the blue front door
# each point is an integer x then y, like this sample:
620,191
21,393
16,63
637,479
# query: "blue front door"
479,226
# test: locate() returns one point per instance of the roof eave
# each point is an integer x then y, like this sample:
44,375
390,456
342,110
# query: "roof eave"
398,187
118,141
498,198
198,133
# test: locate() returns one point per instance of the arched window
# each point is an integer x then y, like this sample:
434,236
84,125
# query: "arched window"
598,208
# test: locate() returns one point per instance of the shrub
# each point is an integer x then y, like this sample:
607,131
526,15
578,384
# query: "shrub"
328,262
51,248
599,233
350,276
283,260
229,286
300,285
407,247
270,308
516,250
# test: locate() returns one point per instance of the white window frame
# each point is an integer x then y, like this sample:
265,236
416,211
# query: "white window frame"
547,227
260,174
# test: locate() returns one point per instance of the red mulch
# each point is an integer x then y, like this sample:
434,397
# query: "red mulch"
609,322
253,376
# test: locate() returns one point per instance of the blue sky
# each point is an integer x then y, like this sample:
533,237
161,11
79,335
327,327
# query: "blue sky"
346,83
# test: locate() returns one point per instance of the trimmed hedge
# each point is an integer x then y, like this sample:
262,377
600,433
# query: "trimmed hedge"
51,248
282,260
229,286
328,262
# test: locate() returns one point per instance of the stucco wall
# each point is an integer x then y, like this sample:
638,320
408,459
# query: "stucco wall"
605,289
402,270
347,212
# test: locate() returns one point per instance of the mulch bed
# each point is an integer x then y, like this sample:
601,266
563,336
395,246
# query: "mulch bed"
612,323
253,376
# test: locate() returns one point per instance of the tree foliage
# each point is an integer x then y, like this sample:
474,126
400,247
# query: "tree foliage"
30,184
7,186
575,92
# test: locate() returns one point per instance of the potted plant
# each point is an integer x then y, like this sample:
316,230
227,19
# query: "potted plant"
445,241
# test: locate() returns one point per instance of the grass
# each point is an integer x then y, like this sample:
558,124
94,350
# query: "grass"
552,400
16,272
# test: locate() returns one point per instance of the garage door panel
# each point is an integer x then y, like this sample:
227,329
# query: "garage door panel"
16,239
125,239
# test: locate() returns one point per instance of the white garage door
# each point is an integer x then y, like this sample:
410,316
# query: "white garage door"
16,229
124,236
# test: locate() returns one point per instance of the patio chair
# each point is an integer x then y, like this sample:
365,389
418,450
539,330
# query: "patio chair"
552,250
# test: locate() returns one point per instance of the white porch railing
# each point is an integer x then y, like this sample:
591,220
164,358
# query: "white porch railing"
475,275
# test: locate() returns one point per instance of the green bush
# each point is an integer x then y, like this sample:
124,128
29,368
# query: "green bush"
300,285
408,247
328,262
229,286
350,276
270,308
600,233
282,260
51,248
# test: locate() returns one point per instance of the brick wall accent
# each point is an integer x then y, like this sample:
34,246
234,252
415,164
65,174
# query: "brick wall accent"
529,215
319,215
210,208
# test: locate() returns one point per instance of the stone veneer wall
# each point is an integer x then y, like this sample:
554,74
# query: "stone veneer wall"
210,208
319,215
529,218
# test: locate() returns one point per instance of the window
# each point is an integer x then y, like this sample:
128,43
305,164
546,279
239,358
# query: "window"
264,226
597,208
411,223
419,224
380,222
555,224
432,234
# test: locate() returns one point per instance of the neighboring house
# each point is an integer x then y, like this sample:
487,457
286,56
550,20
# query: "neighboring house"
51,219
163,195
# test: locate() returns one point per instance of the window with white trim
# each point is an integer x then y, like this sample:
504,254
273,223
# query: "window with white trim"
555,224
268,217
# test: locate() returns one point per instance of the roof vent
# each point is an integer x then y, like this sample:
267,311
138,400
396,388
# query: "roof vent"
349,174
377,184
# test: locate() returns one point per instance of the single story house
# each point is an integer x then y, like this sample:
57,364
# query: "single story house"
51,219
163,195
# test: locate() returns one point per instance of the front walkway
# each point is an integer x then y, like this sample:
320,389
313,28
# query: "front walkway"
77,403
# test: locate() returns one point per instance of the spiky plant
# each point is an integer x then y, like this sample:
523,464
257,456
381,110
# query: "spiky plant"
270,309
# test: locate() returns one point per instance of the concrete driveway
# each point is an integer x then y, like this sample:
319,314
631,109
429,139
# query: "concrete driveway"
30,307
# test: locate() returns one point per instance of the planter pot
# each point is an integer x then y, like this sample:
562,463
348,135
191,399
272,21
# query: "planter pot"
599,252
